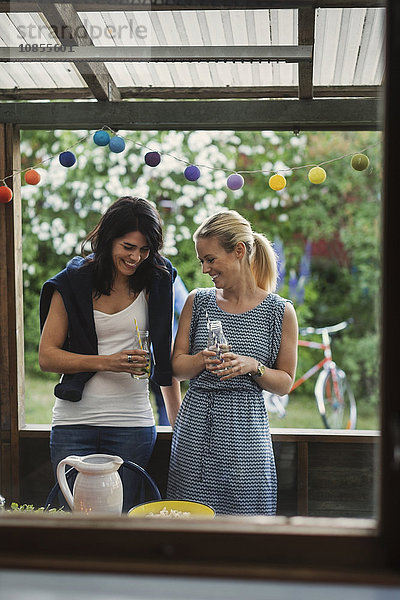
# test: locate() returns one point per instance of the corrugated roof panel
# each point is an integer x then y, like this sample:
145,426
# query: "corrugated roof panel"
40,75
97,29
20,75
283,31
213,33
349,41
237,19
122,74
7,82
266,74
326,44
65,75
287,27
348,47
204,74
29,28
8,33
369,69
191,34
19,28
118,28
262,27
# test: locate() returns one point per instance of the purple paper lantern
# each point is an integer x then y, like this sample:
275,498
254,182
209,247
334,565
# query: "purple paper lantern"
192,173
67,158
117,144
152,159
235,181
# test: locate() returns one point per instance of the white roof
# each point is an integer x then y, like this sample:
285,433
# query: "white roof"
347,52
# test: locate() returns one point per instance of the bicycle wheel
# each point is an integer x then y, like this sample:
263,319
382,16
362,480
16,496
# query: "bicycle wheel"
336,405
276,404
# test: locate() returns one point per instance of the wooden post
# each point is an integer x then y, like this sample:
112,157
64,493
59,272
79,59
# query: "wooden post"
390,450
302,478
11,315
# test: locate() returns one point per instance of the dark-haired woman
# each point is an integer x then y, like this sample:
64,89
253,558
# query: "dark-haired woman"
88,313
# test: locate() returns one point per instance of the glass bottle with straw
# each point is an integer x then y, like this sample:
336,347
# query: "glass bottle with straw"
142,342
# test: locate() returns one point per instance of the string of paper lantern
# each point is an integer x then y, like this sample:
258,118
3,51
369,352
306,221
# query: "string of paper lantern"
235,180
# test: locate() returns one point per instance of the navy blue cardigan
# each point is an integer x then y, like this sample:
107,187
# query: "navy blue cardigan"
75,284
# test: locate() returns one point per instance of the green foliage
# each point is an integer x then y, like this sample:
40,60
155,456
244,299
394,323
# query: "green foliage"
15,507
341,217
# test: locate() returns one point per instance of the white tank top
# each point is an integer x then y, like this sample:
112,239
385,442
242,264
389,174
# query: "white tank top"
112,399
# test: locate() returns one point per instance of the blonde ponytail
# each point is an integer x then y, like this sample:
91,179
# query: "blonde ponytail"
229,227
264,263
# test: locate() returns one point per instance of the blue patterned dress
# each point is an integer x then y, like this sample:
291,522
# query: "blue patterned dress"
221,451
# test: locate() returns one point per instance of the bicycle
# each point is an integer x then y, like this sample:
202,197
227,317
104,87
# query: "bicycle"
335,400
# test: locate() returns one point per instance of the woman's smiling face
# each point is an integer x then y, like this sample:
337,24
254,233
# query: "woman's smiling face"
220,265
128,252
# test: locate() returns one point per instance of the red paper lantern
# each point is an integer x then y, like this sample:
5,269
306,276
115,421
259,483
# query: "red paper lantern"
32,177
5,194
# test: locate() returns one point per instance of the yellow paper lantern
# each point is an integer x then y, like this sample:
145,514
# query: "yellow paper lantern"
317,175
277,182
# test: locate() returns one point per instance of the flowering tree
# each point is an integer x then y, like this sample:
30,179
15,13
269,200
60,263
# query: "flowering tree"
327,236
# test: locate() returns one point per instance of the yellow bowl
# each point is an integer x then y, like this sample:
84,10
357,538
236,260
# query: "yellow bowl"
162,509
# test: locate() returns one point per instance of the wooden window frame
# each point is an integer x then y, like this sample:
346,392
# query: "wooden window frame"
277,547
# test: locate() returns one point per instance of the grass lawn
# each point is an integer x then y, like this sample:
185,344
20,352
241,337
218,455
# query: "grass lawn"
39,399
301,411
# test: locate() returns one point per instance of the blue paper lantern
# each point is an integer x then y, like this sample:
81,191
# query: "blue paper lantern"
192,173
101,138
235,181
117,144
67,158
152,159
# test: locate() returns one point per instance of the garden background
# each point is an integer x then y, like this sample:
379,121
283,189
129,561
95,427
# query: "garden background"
327,236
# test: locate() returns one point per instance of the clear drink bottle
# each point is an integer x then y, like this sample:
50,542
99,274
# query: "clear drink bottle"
216,339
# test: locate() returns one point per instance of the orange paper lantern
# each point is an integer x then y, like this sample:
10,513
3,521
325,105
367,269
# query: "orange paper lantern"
5,194
32,177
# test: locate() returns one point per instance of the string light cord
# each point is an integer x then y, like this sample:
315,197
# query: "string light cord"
188,163
45,160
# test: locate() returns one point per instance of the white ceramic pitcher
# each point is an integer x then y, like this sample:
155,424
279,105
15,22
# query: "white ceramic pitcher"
97,487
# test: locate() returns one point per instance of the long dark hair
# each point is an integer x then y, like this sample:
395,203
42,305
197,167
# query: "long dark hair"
125,215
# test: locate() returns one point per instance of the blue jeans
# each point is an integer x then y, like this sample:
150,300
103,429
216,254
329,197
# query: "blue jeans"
130,443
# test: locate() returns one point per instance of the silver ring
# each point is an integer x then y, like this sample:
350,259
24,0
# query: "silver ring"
130,358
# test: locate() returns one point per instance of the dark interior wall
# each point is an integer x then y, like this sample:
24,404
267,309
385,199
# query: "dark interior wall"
341,476
343,480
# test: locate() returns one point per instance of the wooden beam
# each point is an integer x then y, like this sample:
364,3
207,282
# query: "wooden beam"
149,54
69,29
350,114
306,36
11,315
232,547
195,93
148,5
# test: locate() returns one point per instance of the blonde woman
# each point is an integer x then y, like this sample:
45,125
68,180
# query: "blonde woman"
222,452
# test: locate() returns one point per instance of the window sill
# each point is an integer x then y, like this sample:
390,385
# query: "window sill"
278,434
